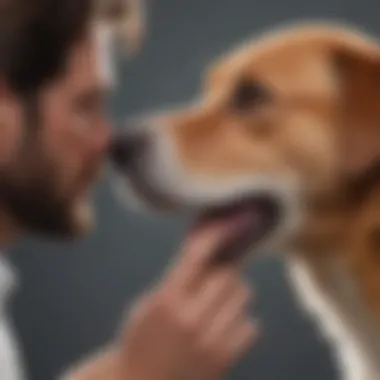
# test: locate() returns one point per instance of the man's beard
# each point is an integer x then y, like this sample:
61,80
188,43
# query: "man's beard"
30,193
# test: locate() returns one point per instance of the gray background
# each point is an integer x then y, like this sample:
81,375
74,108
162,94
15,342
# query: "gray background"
72,296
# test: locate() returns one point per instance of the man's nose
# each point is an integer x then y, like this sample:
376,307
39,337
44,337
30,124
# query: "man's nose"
127,148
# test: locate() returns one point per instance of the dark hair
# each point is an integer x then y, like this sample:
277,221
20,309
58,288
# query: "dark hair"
36,37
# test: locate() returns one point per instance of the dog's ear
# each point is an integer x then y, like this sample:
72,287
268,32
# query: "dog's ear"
356,65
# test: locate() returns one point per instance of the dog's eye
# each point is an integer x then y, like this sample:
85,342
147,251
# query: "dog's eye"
250,94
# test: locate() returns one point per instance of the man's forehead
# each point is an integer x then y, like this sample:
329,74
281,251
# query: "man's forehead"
104,57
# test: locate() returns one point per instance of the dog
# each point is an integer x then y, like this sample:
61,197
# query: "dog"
286,132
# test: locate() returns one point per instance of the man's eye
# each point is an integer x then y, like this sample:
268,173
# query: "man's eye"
88,110
91,102
250,94
87,106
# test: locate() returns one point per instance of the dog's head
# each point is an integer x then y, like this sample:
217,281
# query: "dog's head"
282,122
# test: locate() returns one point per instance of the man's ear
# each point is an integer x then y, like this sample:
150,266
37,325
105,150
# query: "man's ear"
357,72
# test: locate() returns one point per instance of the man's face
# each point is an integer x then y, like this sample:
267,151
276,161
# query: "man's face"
54,148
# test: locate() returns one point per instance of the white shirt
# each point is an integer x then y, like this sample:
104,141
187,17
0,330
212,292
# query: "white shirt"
11,363
11,367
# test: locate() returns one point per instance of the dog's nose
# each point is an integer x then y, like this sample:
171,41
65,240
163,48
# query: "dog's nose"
127,148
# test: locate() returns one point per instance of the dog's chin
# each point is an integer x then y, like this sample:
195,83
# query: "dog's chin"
255,222
143,198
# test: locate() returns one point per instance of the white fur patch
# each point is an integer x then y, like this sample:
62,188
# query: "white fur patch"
328,294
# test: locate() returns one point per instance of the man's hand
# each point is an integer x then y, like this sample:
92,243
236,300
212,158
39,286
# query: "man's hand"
194,325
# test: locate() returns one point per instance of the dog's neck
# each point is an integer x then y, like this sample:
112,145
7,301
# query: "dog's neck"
346,227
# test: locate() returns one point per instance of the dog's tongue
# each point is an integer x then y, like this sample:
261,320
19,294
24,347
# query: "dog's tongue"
237,239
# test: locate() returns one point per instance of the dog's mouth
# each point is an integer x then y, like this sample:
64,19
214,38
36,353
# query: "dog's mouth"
253,221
